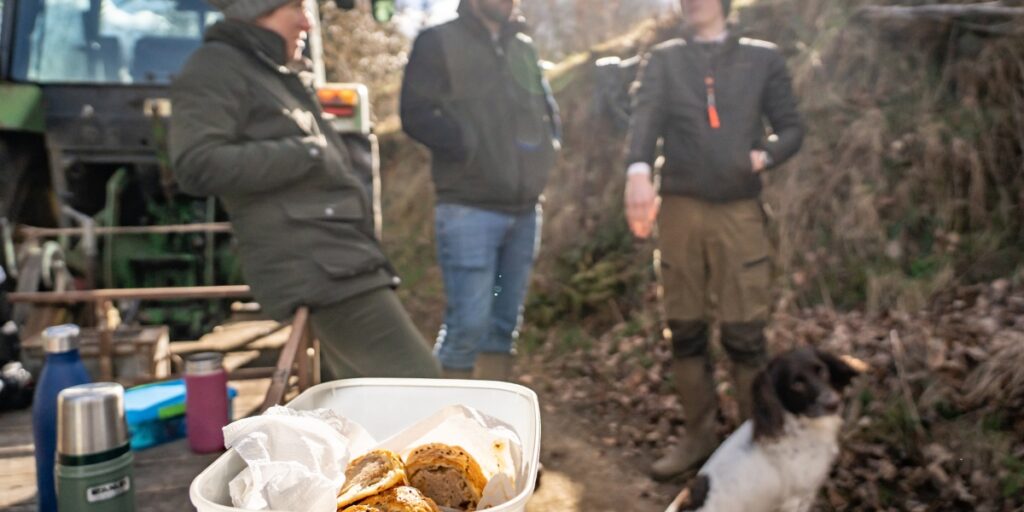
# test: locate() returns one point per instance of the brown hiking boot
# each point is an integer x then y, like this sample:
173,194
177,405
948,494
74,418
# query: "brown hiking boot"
493,366
695,385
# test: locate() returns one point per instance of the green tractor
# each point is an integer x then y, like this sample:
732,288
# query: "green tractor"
87,198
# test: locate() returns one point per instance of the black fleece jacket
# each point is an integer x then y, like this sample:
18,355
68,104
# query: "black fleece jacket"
671,102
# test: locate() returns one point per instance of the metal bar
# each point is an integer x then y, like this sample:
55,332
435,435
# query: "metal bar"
251,373
169,293
191,347
283,370
305,366
7,247
316,357
89,244
106,340
208,268
209,227
939,12
109,216
308,360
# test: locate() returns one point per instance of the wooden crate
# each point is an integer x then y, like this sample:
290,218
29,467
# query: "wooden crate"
140,355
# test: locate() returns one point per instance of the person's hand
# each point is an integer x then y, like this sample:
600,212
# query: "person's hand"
758,160
642,204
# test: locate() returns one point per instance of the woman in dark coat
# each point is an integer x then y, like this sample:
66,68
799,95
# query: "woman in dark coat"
247,128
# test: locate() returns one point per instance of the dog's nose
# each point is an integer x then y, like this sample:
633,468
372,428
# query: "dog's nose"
830,401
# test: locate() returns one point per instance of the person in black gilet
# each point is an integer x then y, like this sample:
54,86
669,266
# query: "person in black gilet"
475,95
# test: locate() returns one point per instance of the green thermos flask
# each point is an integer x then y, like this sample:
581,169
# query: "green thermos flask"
94,460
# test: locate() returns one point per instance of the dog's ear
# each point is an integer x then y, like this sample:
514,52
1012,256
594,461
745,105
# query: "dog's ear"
768,414
693,496
841,370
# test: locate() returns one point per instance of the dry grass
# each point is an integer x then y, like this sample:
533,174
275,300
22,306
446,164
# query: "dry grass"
913,157
999,381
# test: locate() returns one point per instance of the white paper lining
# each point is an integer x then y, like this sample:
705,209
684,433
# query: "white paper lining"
296,459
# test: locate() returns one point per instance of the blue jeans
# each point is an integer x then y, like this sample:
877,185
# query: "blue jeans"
486,258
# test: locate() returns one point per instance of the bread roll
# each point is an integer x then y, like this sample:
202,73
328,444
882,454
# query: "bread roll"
446,474
370,474
398,499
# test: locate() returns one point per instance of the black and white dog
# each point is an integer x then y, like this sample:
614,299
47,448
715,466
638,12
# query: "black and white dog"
777,461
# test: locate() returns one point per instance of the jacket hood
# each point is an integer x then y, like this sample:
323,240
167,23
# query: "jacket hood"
249,38
515,24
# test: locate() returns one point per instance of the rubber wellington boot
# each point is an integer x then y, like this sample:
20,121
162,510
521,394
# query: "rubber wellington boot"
493,366
696,387
743,376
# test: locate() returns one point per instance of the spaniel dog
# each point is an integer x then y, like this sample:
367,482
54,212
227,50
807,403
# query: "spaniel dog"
777,461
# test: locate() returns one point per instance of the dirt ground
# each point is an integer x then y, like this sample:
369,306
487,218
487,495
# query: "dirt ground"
606,410
581,475
934,424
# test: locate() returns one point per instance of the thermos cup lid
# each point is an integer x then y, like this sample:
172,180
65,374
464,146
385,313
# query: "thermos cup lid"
60,338
90,419
204,363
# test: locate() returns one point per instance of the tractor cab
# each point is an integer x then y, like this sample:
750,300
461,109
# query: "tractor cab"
105,42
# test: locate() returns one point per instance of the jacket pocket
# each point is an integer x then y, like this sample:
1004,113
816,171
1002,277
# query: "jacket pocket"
356,256
464,236
335,237
346,211
470,138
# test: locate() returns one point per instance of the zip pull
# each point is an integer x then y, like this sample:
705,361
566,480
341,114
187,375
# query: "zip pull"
713,118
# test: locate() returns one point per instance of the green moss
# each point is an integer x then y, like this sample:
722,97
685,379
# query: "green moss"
1012,485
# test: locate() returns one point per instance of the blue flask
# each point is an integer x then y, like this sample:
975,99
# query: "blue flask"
62,369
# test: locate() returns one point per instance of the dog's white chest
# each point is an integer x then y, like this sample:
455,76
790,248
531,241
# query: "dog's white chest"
804,455
778,475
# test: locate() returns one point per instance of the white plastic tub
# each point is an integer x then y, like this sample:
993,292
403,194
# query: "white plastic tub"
387,406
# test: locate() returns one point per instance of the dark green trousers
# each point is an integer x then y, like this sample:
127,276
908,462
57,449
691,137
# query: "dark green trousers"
371,335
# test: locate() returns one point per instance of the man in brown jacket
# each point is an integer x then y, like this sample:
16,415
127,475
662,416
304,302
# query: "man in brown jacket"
707,96
247,127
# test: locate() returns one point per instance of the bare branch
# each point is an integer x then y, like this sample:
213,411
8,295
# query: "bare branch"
939,12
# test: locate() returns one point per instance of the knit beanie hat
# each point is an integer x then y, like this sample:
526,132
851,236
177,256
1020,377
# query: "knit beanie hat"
246,10
726,7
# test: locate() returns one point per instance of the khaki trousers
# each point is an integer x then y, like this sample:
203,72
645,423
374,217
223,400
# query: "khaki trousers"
714,262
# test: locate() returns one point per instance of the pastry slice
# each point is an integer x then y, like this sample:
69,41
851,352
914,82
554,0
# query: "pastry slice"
370,474
398,499
446,474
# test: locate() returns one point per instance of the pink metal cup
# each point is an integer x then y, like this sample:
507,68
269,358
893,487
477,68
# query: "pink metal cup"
206,401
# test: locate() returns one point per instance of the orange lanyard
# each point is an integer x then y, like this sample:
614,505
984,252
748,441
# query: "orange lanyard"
713,118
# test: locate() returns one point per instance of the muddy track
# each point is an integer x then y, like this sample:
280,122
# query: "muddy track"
582,475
